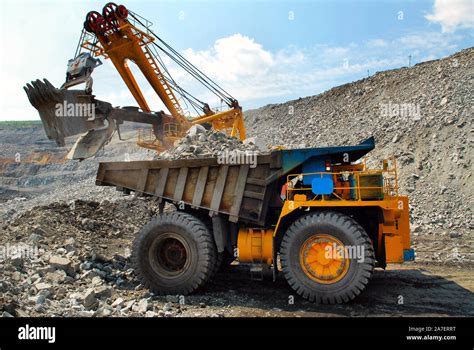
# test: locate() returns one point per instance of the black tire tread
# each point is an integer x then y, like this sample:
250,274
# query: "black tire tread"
350,225
201,235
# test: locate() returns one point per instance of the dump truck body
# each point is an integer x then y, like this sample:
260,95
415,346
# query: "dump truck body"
238,191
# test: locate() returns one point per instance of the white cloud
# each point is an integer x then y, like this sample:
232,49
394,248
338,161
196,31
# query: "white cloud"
336,51
284,74
232,58
428,41
452,14
377,43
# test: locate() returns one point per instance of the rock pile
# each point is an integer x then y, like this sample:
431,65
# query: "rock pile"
74,260
202,143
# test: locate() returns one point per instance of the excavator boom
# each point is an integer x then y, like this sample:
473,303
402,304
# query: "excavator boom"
123,37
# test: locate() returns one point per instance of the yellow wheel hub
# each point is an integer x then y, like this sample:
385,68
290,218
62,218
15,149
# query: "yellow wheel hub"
323,259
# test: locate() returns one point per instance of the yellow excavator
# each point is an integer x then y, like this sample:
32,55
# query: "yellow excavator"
123,36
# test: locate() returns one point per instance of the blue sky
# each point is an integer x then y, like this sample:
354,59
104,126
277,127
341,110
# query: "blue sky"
260,51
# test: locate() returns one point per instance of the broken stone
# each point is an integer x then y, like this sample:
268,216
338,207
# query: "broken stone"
61,263
41,286
17,261
142,305
35,238
69,241
172,299
195,130
16,276
89,300
61,251
58,276
103,312
128,305
167,307
40,299
85,266
86,313
97,280
118,302
206,143
103,292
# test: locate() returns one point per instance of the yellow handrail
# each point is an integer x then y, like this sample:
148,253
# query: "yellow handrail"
389,186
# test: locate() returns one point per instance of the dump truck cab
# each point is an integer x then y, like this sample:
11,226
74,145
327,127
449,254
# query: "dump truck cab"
318,215
336,178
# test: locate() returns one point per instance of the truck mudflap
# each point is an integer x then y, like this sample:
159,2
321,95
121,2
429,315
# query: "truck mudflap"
409,255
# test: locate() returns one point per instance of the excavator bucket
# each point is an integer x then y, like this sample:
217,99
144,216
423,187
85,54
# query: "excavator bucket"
67,113
88,144
63,112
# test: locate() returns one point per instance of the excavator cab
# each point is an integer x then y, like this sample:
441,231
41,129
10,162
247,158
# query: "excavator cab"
79,69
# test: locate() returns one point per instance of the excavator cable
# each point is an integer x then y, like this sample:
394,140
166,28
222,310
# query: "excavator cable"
206,82
170,79
197,104
189,67
79,47
199,78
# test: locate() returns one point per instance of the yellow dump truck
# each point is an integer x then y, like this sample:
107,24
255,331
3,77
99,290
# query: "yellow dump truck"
318,215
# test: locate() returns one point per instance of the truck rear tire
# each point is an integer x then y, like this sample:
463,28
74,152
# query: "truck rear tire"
311,263
174,254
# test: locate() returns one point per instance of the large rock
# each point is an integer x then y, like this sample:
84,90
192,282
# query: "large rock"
61,263
89,299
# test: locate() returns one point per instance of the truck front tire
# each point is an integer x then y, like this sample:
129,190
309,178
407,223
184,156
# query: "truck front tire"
174,254
316,257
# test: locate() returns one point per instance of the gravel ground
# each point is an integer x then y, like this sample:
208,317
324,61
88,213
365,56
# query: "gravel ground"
82,268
